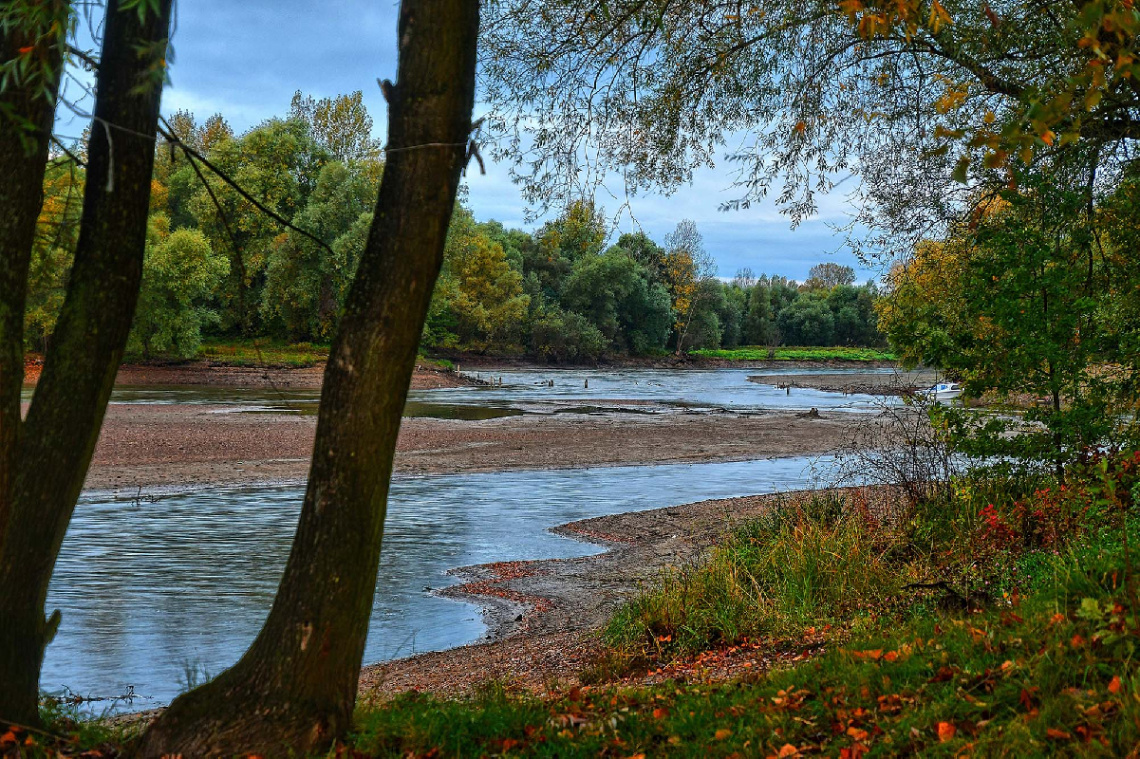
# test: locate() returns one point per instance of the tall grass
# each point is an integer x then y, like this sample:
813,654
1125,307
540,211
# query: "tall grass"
795,566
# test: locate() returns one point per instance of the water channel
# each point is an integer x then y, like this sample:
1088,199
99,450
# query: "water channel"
157,591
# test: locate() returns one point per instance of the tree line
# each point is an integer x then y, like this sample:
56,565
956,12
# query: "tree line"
216,265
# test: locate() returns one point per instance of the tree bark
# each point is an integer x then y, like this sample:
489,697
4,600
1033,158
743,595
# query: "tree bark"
295,688
26,115
62,425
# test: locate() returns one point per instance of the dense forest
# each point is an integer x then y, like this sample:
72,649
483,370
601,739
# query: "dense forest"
218,266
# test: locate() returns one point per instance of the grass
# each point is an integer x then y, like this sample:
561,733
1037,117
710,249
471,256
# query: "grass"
760,353
269,353
1036,679
799,565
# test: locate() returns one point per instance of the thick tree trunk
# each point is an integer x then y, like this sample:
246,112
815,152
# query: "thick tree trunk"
26,115
294,690
62,426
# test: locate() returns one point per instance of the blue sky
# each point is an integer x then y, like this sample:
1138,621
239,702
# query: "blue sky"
245,59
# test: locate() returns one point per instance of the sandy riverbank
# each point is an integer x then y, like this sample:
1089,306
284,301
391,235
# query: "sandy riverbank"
177,445
205,373
897,382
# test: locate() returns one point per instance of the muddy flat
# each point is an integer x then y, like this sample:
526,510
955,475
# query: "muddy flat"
888,383
145,445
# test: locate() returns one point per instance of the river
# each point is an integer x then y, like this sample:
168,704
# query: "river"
157,592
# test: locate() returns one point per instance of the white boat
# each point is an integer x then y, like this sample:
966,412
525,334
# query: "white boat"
944,392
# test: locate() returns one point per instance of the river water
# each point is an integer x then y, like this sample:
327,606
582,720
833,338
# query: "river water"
549,390
159,591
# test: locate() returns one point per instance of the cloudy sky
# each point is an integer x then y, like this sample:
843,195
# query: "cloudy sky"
245,59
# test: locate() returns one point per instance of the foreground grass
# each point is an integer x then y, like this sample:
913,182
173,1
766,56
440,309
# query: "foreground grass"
760,353
1029,680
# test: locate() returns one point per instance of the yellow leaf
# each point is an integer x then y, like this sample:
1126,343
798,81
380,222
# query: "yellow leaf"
938,17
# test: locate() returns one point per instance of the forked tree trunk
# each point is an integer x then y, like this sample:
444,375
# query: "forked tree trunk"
294,689
59,435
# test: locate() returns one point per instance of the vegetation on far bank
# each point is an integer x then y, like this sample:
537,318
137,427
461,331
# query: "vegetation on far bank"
790,353
563,292
262,353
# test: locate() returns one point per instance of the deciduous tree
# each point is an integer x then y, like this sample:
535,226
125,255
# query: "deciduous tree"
44,458
294,689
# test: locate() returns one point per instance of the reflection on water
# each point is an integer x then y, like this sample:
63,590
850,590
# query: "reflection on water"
152,587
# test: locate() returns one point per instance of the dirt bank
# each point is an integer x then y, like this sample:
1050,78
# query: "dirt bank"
898,382
544,616
173,445
205,373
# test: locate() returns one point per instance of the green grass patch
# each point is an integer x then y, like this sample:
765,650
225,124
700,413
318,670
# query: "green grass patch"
268,353
435,363
798,565
760,353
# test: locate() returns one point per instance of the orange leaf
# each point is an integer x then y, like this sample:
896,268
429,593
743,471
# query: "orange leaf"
1115,686
946,731
787,750
26,50
891,655
1048,137
1057,735
721,734
1077,641
660,713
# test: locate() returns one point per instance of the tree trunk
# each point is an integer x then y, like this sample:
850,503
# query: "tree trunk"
62,426
26,115
294,690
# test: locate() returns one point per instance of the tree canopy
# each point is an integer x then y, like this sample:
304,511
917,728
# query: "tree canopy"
923,100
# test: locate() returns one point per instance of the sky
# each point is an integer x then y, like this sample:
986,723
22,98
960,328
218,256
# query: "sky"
246,59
